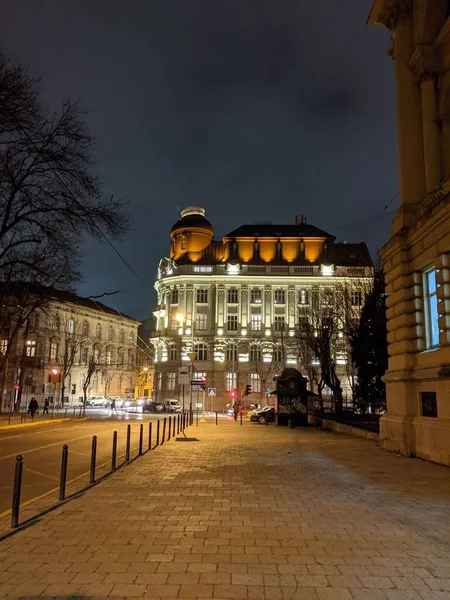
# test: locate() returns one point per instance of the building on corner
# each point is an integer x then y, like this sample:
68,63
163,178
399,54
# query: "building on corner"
417,257
228,309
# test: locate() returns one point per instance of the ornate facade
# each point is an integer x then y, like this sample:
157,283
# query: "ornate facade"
236,302
56,344
417,257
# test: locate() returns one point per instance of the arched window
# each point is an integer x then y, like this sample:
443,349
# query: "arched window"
255,352
130,359
122,337
70,326
97,351
110,333
108,355
202,351
85,329
98,331
121,357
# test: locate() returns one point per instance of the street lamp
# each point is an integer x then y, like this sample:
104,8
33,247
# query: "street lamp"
192,356
55,372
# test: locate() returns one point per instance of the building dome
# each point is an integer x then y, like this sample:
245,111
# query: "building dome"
193,217
191,234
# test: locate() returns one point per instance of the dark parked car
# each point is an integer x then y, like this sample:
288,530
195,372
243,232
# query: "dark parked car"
260,416
153,407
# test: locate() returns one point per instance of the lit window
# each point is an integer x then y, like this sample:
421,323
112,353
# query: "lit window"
159,381
232,322
256,296
30,349
279,296
173,354
255,382
200,269
53,350
108,356
174,296
327,297
357,298
171,381
255,352
303,297
201,322
232,296
278,323
431,309
202,296
277,354
202,351
231,352
255,323
174,322
231,381
3,347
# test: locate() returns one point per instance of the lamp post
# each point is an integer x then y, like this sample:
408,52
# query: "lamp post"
55,372
192,356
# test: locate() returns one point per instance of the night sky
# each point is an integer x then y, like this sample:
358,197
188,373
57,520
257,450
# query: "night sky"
257,110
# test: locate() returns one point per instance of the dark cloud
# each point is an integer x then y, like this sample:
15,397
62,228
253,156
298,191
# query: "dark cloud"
258,110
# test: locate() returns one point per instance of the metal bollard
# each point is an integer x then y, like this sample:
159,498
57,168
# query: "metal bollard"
178,423
217,418
149,436
63,477
114,452
170,428
241,416
93,458
65,413
128,448
157,433
17,491
141,438
73,416
173,432
164,431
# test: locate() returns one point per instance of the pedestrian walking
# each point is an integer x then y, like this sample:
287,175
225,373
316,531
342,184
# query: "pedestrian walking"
46,405
33,407
113,406
236,409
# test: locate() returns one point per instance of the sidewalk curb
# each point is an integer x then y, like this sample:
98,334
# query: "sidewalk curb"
37,423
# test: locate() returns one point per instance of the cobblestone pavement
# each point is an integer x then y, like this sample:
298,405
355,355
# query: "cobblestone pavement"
249,513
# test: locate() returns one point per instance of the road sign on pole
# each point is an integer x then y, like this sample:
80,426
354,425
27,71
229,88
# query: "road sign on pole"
183,376
212,392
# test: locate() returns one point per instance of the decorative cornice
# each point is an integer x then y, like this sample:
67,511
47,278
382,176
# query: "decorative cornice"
389,12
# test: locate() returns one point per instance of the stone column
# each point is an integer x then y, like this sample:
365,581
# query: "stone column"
267,306
189,321
220,305
431,141
291,307
409,111
244,306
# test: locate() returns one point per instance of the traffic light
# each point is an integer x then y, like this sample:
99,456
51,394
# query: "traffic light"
248,389
203,383
17,386
233,394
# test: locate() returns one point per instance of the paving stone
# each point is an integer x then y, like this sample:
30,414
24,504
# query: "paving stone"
247,512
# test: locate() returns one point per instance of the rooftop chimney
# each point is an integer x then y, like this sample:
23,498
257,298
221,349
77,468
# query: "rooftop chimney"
300,220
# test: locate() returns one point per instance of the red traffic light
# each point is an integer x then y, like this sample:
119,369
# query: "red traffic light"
233,393
17,386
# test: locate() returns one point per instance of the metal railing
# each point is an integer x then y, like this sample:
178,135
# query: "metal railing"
23,415
170,424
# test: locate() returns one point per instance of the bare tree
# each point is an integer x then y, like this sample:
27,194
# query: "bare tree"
324,330
266,359
50,197
70,338
92,367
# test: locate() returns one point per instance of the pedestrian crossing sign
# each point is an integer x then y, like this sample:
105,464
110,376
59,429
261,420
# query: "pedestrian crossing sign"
212,392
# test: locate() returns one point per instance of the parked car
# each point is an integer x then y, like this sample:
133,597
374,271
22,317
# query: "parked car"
260,416
96,401
153,407
173,406
135,405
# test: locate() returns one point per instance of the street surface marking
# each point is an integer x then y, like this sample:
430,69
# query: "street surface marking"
40,474
83,437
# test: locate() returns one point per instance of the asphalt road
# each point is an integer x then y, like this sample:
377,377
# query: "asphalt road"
41,447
